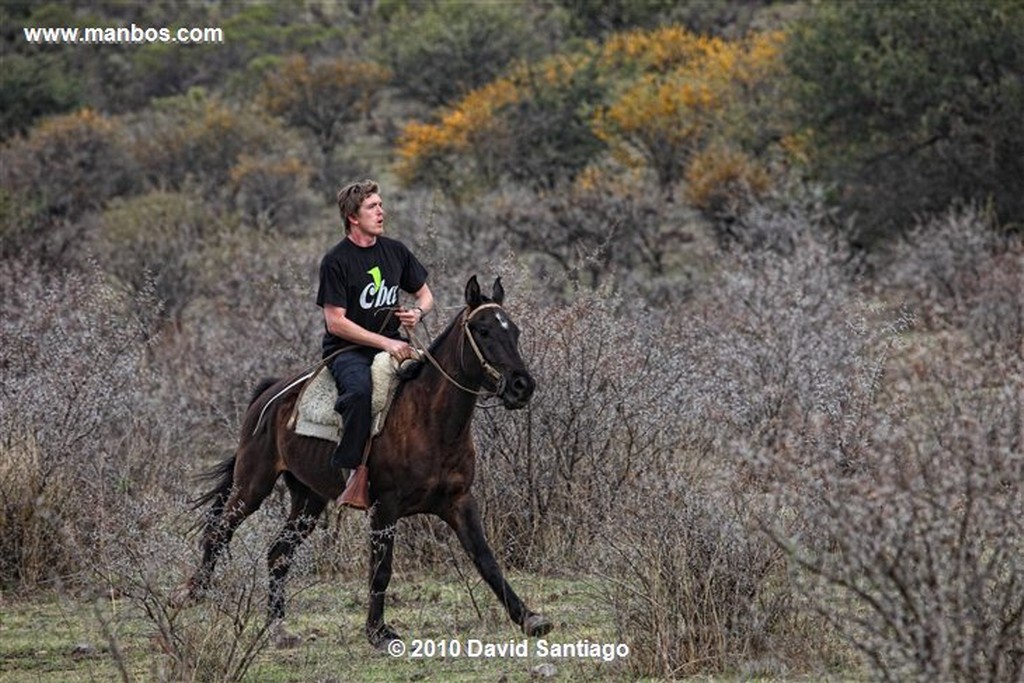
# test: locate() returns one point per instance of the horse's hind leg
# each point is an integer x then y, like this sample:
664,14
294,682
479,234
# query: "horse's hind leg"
251,483
306,509
464,518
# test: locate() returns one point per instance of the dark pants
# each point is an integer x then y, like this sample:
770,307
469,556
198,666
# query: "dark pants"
351,371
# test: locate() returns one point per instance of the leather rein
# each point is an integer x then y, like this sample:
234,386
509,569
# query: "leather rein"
489,370
492,373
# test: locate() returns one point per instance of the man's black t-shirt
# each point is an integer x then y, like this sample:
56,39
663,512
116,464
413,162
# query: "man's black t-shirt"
365,282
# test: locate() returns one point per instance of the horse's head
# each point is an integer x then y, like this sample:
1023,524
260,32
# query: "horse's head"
496,340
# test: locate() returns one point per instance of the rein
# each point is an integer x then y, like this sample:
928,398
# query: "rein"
488,369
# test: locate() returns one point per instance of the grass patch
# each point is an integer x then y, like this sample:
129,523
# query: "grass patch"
64,640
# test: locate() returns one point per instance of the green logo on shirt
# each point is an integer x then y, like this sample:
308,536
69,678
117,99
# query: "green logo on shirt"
375,274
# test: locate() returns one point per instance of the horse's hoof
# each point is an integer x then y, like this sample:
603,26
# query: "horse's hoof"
382,637
537,625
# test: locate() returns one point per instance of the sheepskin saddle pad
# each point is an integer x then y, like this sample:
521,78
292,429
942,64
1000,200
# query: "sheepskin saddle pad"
314,413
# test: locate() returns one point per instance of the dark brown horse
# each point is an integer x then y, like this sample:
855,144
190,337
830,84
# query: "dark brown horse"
422,462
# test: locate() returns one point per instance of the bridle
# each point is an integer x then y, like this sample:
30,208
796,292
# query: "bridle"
489,370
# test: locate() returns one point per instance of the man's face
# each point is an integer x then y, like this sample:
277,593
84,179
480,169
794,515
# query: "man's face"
369,221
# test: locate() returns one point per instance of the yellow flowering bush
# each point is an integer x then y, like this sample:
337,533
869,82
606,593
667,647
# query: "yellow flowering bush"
718,176
476,117
666,100
692,90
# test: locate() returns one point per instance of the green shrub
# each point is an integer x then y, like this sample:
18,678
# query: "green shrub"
193,142
153,241
322,96
441,53
66,167
911,105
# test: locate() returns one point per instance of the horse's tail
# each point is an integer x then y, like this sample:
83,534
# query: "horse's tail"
223,474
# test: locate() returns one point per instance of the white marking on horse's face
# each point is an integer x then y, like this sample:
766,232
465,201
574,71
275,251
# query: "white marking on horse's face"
502,320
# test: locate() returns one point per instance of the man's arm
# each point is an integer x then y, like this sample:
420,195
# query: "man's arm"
340,326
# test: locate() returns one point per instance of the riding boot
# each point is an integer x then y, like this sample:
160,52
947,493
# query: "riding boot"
357,492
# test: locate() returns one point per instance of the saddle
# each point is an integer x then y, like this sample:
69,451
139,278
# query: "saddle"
314,413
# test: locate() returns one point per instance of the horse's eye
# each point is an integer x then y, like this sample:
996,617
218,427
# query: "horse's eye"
483,332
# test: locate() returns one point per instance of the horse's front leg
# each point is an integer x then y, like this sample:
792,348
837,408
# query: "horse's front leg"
463,517
382,544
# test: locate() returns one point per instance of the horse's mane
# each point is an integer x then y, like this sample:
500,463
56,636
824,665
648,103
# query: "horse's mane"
440,339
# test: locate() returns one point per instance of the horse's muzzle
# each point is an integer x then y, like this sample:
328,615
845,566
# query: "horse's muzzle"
519,388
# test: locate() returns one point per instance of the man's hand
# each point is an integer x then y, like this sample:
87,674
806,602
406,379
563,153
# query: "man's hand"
409,317
400,350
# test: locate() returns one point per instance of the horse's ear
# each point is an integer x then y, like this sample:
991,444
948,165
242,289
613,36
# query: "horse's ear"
473,296
497,292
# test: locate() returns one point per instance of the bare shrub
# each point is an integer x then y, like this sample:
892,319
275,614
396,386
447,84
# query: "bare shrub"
593,234
893,462
940,261
916,556
963,273
622,464
218,639
780,330
70,354
995,317
604,410
627,463
600,231
692,585
253,316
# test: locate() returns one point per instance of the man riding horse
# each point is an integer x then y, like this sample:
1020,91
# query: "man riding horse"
423,461
359,282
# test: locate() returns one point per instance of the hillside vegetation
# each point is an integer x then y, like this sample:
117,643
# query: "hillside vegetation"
766,256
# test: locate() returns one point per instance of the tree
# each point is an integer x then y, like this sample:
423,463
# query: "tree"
443,52
911,105
193,143
548,137
691,91
593,19
679,106
152,242
66,167
321,96
31,87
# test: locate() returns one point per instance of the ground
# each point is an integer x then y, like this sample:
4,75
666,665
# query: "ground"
445,637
